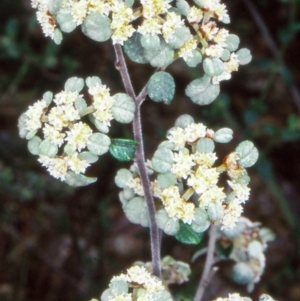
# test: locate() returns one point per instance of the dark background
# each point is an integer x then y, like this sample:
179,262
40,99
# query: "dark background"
60,243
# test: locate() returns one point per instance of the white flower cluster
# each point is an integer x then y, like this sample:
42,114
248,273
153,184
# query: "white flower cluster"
197,171
137,284
233,297
60,123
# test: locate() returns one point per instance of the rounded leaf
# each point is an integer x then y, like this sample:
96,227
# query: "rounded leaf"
161,87
97,27
166,180
80,105
201,222
78,180
69,149
118,287
223,135
205,145
184,120
178,37
213,66
136,211
160,57
92,81
232,42
166,144
57,36
244,56
48,96
74,84
33,145
22,125
187,235
255,249
162,160
123,149
150,41
54,6
123,108
98,144
195,59
122,177
48,149
248,153
166,223
183,6
225,55
65,20
215,211
242,273
88,157
201,91
134,49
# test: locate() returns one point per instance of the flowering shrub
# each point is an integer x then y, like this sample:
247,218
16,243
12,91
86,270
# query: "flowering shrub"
186,188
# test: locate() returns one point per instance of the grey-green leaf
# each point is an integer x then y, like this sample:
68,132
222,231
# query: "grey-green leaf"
248,153
150,41
160,57
205,145
166,223
65,20
184,120
21,125
183,6
97,27
48,149
179,37
232,42
162,160
74,84
122,177
223,135
136,211
195,59
92,81
244,56
80,105
88,157
123,108
54,6
48,96
57,36
166,180
161,87
213,66
98,144
201,91
33,145
134,49
78,180
201,222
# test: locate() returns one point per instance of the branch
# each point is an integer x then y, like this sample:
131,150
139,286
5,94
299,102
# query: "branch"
140,159
208,271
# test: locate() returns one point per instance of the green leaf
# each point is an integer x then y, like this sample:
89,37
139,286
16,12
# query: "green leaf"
215,211
97,27
74,84
183,6
244,56
65,20
195,59
184,120
122,177
213,66
179,37
166,180
187,235
201,222
223,135
201,91
80,105
123,108
136,211
150,41
78,180
205,145
248,153
69,149
162,160
33,145
88,157
98,144
232,42
161,87
57,36
160,57
48,96
92,81
225,55
166,223
48,149
134,49
54,6
123,149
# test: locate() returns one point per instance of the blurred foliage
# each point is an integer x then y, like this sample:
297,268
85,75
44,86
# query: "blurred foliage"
60,243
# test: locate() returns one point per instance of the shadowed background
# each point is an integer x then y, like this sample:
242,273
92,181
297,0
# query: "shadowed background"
64,244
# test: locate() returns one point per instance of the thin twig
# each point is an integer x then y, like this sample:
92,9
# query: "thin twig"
208,272
140,159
